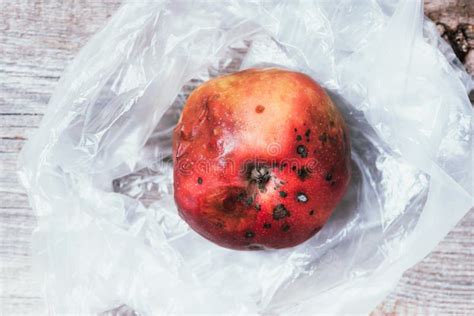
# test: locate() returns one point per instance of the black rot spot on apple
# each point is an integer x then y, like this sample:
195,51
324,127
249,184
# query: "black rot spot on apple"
249,201
302,151
303,173
301,197
280,212
240,197
249,234
328,176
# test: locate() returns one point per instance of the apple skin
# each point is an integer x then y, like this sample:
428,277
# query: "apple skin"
261,159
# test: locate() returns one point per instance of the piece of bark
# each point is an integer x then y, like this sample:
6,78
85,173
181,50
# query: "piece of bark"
455,20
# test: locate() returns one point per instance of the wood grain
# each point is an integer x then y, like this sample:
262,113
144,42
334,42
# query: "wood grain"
37,41
456,16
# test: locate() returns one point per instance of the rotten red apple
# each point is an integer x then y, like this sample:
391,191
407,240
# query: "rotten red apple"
261,159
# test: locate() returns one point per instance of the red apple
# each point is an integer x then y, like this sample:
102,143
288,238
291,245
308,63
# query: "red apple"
261,159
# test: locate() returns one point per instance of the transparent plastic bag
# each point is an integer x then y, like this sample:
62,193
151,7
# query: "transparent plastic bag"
100,181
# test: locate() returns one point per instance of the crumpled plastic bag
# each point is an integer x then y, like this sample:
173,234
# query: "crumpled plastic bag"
99,176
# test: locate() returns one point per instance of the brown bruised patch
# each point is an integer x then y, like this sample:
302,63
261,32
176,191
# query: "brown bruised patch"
227,208
228,202
259,109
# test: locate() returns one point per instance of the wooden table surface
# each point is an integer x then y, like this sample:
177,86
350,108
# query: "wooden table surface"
39,38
